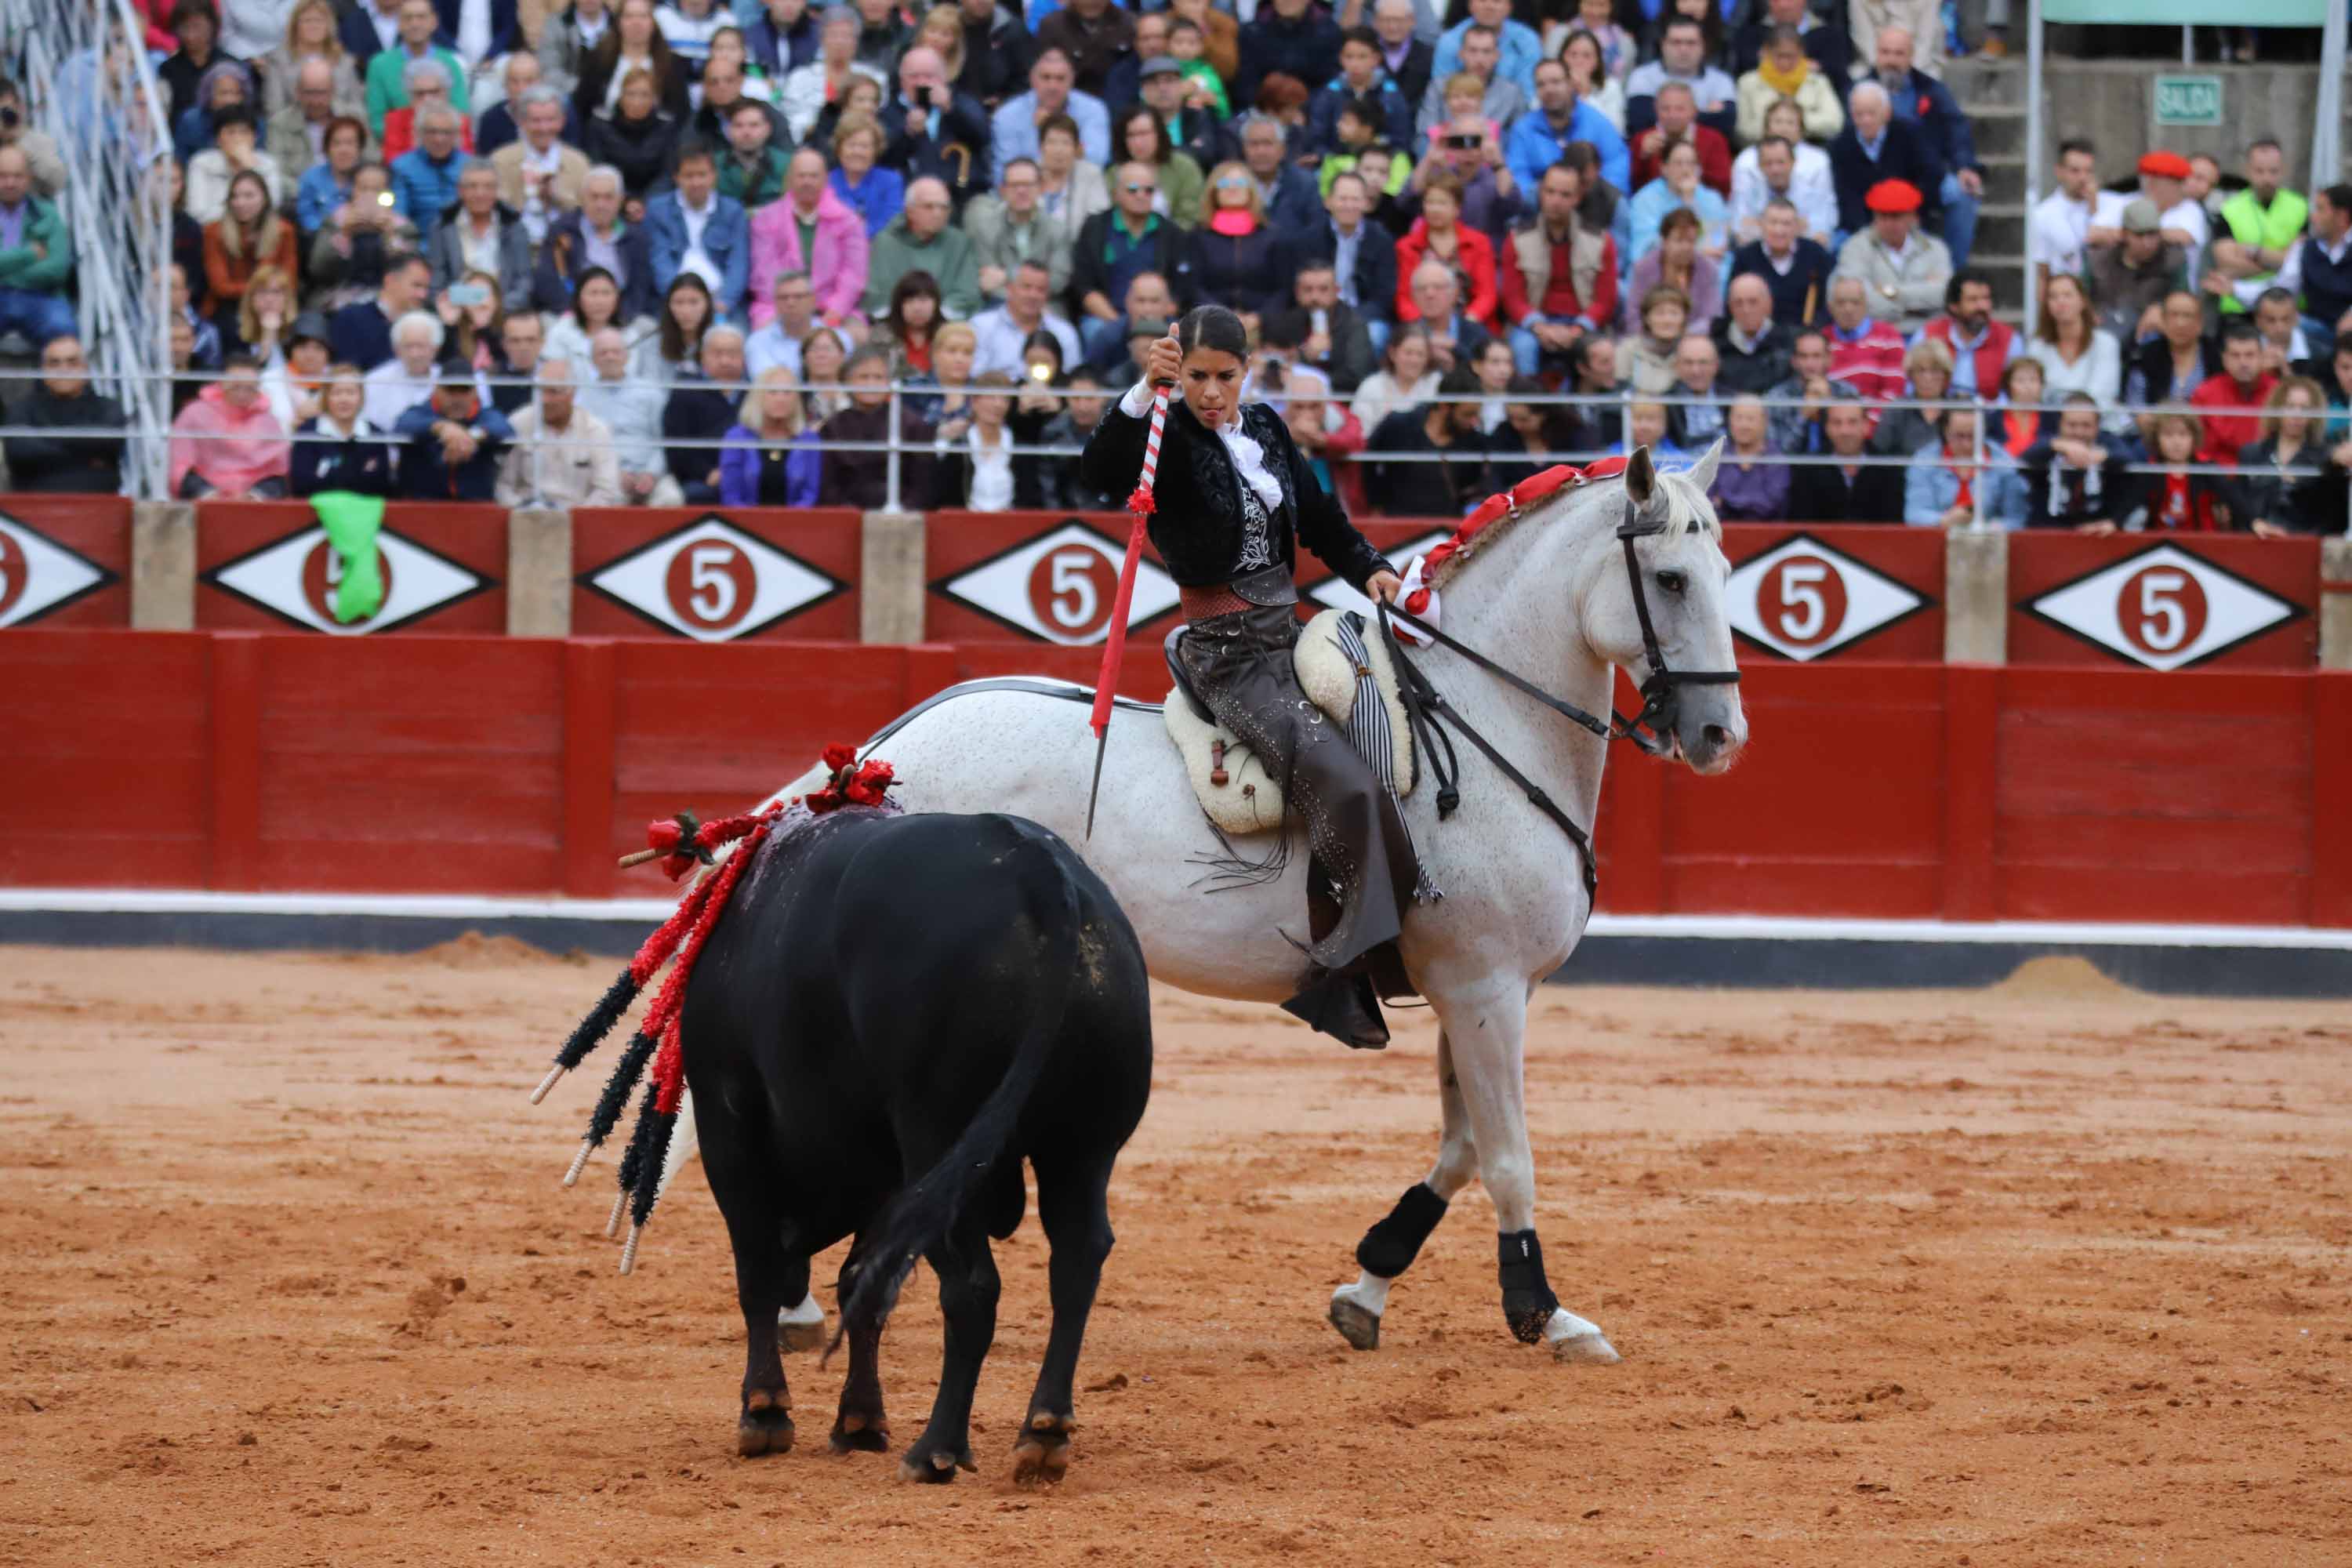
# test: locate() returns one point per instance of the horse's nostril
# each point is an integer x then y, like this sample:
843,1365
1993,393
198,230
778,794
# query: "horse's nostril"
1717,736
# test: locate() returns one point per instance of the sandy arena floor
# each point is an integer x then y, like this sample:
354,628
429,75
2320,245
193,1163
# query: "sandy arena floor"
2050,1275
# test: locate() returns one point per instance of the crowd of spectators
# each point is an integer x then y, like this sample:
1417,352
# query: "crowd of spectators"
624,252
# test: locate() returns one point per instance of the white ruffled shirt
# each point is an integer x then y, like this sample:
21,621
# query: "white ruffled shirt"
1249,457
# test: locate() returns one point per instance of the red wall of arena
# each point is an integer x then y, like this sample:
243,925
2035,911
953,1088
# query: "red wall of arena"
65,561
697,578
267,566
1046,578
2154,608
243,761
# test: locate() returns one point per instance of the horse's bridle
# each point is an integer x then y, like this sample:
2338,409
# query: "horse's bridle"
1662,691
1650,729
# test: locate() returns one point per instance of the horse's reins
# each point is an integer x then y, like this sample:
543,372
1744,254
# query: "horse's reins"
1661,691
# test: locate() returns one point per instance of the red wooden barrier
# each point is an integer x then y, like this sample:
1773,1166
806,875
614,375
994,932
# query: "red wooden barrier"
109,753
1846,591
2208,601
65,561
716,575
1046,578
1797,592
514,766
265,565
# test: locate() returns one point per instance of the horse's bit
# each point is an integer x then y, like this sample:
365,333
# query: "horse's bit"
1648,729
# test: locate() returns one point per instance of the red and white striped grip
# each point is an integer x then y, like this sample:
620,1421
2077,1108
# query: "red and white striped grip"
1139,505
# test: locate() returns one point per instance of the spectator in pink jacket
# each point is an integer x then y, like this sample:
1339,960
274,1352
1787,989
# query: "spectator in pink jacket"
836,258
227,443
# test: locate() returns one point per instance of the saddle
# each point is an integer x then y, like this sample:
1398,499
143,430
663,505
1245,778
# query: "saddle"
1344,670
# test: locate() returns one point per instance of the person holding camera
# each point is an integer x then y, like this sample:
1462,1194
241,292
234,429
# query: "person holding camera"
1466,151
934,129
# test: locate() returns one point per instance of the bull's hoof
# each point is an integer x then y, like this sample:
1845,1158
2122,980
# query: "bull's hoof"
933,1464
1041,1455
1360,1327
859,1433
766,1427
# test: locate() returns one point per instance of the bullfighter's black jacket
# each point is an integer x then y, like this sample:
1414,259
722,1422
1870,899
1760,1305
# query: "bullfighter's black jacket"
1196,522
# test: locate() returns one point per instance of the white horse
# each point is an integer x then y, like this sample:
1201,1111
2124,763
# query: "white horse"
1548,596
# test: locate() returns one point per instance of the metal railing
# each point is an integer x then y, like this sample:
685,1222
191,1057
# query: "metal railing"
901,448
87,82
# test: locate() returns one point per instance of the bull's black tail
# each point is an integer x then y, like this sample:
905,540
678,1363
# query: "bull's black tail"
920,1217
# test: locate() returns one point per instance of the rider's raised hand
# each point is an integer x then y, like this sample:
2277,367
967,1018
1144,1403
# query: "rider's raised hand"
1164,361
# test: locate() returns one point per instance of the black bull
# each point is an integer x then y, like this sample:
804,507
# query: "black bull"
893,1013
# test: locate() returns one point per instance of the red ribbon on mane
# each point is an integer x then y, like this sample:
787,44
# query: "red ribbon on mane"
1508,503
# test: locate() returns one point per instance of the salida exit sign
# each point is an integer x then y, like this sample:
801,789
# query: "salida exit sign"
2189,101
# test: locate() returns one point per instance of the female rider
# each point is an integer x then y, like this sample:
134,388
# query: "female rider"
1234,498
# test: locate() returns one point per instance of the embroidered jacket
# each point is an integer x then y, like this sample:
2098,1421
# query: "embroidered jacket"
1197,524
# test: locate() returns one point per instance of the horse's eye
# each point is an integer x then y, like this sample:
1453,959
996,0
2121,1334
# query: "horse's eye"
1672,582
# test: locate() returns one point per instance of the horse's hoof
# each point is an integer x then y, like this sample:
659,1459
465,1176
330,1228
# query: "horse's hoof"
766,1425
934,1467
1359,1327
1041,1455
1589,1349
859,1433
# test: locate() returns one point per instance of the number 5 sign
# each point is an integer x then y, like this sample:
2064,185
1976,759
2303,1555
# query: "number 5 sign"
1058,585
1802,599
2162,607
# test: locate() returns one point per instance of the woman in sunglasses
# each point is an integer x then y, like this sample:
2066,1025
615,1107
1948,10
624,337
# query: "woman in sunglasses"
1234,499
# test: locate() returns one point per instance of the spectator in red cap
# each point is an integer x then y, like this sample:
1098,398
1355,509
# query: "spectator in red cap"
2163,179
1918,99
2243,386
1905,272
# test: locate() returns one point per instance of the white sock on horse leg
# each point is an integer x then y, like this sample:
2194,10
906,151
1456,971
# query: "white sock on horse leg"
1369,1291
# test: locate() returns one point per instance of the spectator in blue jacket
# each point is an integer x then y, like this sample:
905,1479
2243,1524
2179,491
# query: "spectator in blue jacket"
771,458
1876,146
1360,76
424,178
326,185
1928,107
450,446
1536,141
1515,41
1293,36
1294,204
694,229
1946,483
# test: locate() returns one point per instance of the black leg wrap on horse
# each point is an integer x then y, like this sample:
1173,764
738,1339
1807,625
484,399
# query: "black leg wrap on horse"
1528,1300
1389,1249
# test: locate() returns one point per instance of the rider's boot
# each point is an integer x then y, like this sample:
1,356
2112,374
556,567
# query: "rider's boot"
1342,1006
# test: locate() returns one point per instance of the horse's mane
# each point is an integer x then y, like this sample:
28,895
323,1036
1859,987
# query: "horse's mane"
1692,514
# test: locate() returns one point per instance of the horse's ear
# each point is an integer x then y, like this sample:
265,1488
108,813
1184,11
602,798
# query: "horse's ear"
1640,476
1702,473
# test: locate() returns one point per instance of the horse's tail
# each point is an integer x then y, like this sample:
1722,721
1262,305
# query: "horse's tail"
920,1216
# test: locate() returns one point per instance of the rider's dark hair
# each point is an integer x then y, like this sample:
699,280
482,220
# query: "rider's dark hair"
1213,327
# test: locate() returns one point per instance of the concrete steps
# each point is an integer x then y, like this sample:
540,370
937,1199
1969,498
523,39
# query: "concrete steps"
1993,92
